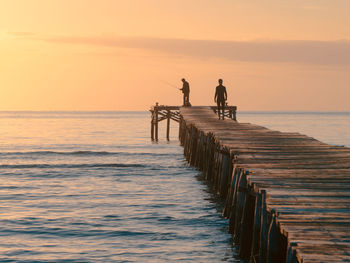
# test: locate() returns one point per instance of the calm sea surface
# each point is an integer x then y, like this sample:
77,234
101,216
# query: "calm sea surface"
92,187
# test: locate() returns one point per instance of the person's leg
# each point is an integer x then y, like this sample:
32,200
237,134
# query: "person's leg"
218,103
223,109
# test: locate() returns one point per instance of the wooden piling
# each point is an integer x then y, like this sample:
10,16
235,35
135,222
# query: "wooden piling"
168,125
152,124
163,112
152,130
286,194
156,123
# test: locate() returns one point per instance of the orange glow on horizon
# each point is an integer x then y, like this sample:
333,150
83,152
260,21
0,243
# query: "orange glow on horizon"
115,55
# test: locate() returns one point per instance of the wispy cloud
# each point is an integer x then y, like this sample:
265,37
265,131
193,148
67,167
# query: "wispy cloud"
22,34
312,7
302,51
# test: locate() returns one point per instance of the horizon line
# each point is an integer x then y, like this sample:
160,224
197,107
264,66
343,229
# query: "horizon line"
111,111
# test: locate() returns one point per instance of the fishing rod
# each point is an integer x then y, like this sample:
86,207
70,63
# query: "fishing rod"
171,85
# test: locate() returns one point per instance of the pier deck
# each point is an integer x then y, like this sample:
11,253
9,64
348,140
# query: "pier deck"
165,112
287,195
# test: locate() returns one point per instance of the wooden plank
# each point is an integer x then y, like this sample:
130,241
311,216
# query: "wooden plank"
306,183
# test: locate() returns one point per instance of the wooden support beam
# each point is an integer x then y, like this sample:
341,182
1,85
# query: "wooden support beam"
162,112
152,125
168,125
156,124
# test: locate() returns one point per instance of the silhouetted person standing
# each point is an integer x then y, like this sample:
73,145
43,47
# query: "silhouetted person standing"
220,97
186,91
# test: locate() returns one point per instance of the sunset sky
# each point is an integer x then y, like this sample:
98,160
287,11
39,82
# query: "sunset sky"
119,55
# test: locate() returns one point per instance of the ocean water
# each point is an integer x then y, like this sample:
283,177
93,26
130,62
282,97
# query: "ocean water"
329,127
93,187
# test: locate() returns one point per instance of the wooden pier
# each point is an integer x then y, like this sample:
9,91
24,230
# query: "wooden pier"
163,112
287,195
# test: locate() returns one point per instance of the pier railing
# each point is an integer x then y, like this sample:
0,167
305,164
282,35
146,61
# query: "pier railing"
164,112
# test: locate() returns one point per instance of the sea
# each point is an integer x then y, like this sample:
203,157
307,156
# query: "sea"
93,187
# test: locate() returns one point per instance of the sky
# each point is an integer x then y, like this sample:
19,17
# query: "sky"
273,55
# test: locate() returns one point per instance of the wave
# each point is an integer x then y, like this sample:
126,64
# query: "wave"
81,153
87,165
64,232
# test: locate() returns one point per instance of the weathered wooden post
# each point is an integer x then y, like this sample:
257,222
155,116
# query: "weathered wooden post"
247,224
257,229
264,229
156,120
180,129
168,125
152,125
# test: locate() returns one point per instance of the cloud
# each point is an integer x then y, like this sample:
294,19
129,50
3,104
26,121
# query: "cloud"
21,34
312,7
292,51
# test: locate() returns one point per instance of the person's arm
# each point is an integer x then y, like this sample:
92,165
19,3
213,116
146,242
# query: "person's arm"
216,94
225,93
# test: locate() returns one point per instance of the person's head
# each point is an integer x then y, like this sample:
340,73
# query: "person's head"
183,80
220,81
